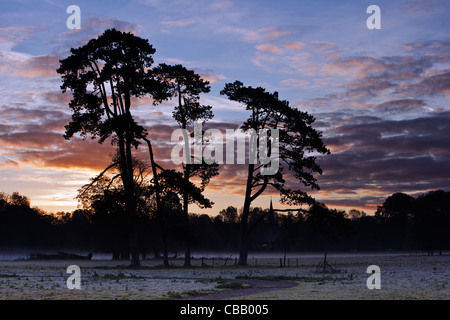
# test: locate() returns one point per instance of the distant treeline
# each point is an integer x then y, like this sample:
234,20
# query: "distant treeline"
402,222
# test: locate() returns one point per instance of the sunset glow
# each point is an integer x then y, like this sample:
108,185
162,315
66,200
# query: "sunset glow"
380,97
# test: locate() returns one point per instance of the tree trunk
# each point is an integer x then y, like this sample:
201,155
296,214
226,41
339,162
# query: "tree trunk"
126,168
159,216
134,245
243,250
187,254
187,169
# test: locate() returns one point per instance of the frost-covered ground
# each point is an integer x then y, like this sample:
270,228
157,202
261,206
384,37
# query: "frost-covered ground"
403,276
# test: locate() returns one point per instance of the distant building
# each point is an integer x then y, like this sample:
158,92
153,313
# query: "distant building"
270,232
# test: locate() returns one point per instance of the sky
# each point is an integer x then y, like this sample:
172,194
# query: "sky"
380,96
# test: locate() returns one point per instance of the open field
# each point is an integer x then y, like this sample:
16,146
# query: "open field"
403,276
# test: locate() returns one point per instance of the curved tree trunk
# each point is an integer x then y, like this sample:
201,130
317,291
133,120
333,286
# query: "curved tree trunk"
159,216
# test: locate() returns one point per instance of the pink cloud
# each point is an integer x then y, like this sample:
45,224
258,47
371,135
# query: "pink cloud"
212,78
39,66
359,66
262,58
268,48
221,5
264,34
323,45
297,46
208,75
180,23
17,34
295,83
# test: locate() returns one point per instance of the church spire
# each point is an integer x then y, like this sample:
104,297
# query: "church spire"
271,217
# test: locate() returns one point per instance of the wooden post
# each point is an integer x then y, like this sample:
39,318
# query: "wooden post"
281,263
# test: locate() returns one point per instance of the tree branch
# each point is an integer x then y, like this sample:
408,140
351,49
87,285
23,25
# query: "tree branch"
261,190
112,180
102,90
99,176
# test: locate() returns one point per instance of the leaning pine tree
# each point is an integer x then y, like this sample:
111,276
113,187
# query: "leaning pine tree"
298,143
104,75
187,86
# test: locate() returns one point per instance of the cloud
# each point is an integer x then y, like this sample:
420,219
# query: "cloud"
436,84
208,75
26,65
21,64
302,63
408,154
268,48
357,66
174,61
421,7
92,28
221,5
403,105
35,137
212,78
416,75
17,34
7,164
38,66
295,83
180,23
77,153
297,46
261,59
323,45
267,34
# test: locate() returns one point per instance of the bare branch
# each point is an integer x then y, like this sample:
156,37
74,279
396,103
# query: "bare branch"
261,190
98,177
112,180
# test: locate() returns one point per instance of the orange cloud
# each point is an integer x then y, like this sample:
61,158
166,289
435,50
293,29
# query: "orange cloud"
8,164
